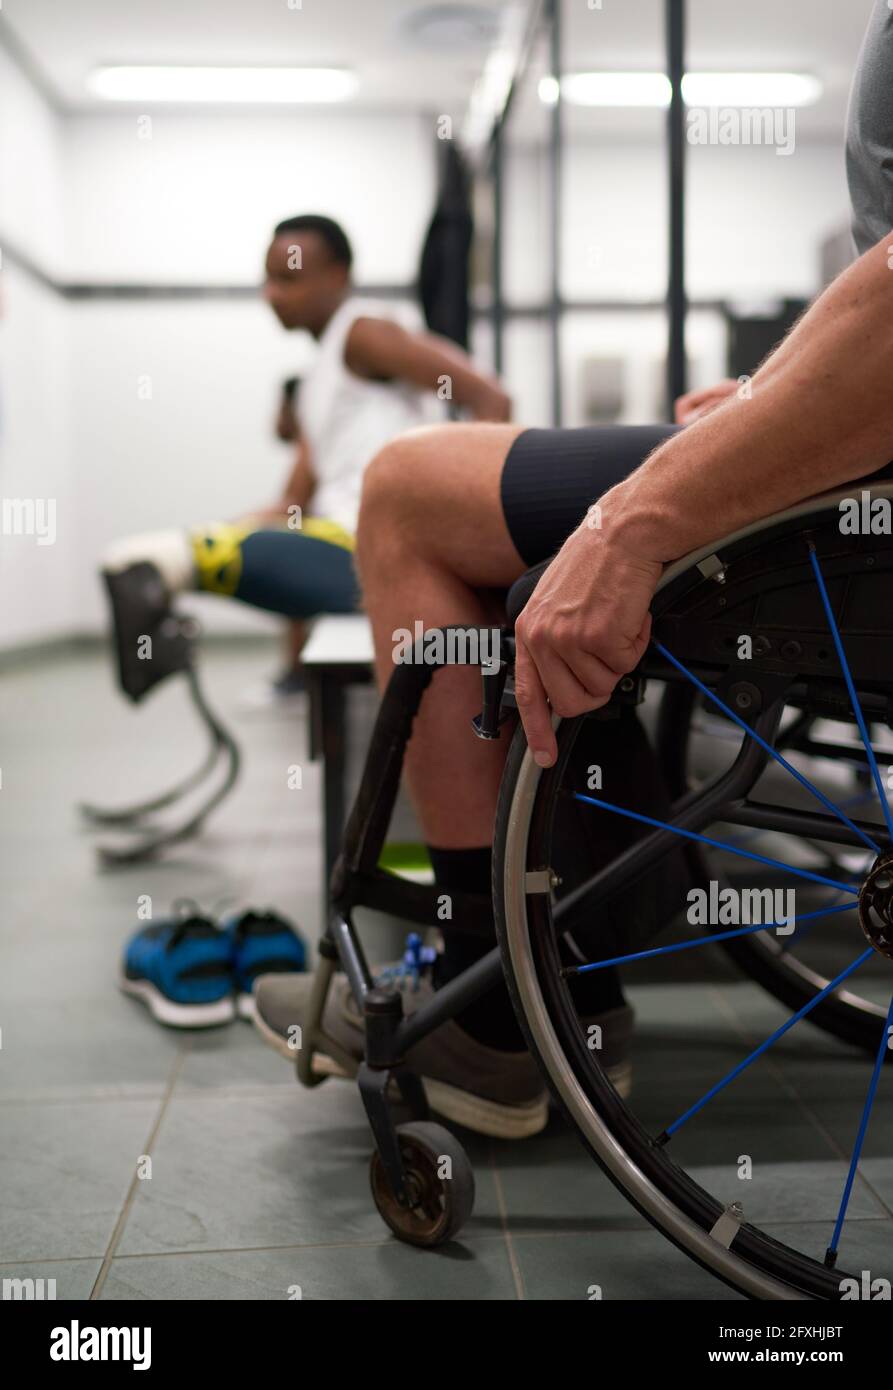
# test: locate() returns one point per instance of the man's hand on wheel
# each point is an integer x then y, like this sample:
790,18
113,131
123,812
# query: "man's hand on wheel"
586,625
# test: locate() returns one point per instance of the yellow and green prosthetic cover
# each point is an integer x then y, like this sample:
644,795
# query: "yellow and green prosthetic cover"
296,573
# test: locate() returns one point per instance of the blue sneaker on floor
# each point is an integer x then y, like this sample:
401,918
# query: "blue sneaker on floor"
261,943
182,968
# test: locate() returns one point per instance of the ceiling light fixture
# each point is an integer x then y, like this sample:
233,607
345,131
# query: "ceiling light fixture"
652,89
222,85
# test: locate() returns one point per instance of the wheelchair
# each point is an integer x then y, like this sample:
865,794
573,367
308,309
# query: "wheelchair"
769,686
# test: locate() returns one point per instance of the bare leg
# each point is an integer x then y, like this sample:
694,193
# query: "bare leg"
432,536
296,636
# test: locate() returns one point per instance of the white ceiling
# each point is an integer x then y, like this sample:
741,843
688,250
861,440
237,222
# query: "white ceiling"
66,38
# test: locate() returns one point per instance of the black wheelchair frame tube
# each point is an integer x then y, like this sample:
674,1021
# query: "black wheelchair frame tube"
357,881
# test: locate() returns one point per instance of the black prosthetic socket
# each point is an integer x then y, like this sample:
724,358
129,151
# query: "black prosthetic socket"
141,610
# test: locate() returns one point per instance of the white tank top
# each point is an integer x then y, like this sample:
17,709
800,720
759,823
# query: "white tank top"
347,419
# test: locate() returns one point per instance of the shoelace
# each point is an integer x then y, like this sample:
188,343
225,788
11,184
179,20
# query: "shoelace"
191,917
192,925
415,960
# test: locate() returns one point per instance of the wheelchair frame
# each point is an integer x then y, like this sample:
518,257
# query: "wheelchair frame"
357,881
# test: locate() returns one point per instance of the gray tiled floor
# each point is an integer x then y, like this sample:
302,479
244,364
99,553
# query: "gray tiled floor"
259,1189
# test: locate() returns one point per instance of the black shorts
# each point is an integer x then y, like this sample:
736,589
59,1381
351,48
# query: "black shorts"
551,478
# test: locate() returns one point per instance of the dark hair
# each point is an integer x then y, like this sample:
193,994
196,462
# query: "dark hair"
290,387
326,229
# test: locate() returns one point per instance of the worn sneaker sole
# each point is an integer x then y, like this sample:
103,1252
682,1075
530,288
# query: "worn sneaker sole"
621,1078
245,1006
473,1112
279,1043
179,1015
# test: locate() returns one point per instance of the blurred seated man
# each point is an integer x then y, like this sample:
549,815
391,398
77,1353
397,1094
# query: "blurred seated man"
371,379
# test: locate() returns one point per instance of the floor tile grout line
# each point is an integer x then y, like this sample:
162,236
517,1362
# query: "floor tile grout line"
788,1086
260,1090
385,1243
517,1277
124,1213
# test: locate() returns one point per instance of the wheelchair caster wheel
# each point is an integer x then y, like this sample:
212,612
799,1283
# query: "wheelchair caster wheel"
439,1182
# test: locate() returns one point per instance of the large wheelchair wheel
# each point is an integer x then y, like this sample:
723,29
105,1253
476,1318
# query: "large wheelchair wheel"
796,970
774,651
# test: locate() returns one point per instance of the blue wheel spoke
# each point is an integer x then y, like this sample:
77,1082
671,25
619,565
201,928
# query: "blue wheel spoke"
773,752
803,930
860,1137
764,1047
851,689
719,844
706,940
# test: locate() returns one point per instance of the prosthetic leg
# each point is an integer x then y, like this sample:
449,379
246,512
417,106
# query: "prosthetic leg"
153,642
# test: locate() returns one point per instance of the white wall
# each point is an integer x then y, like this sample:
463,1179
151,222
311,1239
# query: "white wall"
36,458
36,463
195,202
755,219
31,195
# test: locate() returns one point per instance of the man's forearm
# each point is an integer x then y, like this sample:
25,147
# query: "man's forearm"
481,394
821,414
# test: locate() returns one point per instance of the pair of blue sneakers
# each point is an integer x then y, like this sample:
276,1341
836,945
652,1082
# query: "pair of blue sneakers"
193,973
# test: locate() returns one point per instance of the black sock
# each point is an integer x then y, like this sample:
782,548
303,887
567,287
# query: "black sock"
491,1019
595,992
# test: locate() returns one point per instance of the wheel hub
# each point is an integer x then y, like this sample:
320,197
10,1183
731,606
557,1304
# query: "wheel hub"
876,905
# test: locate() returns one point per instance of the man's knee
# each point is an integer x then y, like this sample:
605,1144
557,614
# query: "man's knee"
395,472
394,496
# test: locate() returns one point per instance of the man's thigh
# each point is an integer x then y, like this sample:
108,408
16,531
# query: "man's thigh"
490,501
442,487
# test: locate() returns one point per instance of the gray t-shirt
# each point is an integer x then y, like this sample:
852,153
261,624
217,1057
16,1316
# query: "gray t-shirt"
869,142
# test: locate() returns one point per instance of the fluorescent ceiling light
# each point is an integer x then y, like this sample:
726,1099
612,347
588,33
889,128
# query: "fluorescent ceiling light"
616,89
549,89
750,89
222,85
652,89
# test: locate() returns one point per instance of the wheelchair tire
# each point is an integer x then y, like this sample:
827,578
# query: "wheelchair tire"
439,1205
793,982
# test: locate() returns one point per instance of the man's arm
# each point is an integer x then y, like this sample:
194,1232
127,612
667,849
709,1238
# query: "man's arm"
821,414
384,351
299,488
301,483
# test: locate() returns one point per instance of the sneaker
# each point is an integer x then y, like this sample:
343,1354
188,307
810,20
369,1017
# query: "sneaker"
492,1092
262,943
285,692
290,682
616,1043
181,969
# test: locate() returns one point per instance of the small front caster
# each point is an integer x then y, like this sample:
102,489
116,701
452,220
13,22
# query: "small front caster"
439,1185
